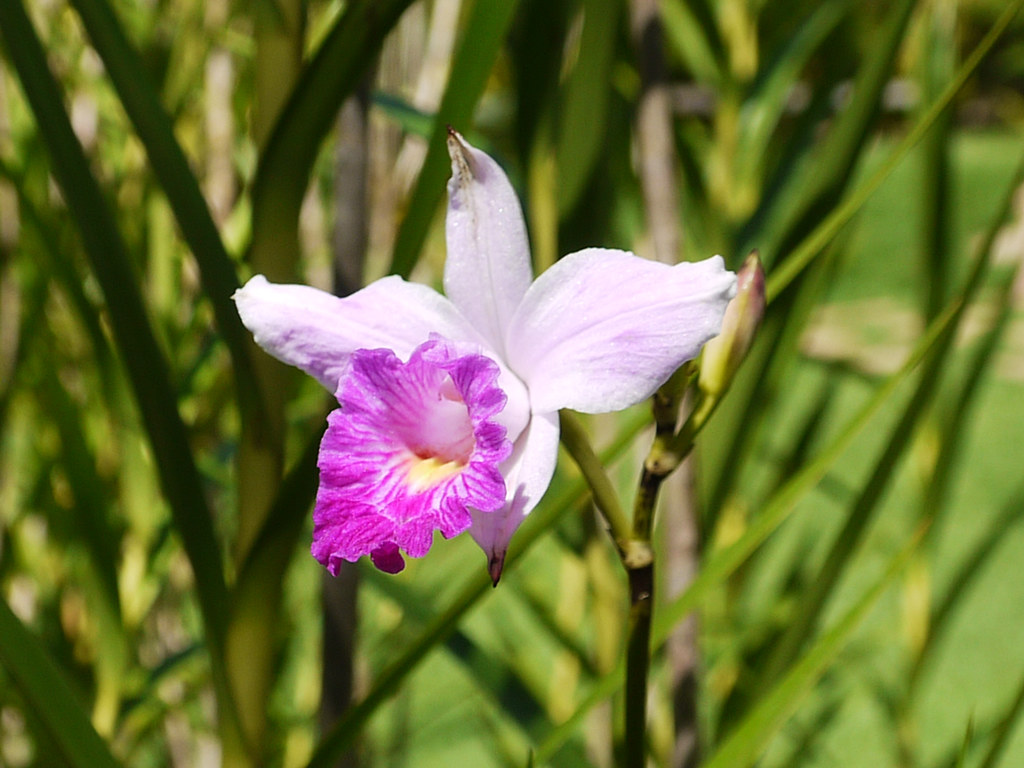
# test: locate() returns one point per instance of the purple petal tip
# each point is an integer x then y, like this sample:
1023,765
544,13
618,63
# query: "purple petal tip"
387,558
495,566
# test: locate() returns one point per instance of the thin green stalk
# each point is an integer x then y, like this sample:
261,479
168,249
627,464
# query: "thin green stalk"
250,645
860,514
49,693
720,565
574,439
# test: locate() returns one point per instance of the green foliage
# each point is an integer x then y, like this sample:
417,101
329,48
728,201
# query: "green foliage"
856,492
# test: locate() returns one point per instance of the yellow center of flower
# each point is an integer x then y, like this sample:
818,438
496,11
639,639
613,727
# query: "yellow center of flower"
426,472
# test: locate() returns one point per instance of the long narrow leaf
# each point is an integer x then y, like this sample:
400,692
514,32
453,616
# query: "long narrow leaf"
142,358
586,96
140,100
720,565
820,181
812,245
50,695
747,742
812,603
346,54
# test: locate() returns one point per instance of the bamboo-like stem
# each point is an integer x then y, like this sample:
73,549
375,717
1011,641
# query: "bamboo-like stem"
656,168
641,572
250,646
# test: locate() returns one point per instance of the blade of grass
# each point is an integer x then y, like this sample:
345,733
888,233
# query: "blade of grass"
1005,728
146,366
695,38
783,274
154,127
818,183
492,673
939,65
765,107
746,744
764,376
811,604
50,695
100,542
539,522
584,100
481,41
334,72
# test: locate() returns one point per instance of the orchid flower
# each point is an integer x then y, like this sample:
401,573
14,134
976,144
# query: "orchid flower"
448,415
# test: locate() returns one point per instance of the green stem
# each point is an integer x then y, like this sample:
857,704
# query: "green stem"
638,657
575,440
641,569
641,597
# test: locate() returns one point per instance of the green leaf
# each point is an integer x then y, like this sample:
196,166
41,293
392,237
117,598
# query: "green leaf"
1004,730
746,744
939,66
811,246
147,369
142,103
481,40
802,626
721,564
585,102
346,54
695,39
764,108
50,695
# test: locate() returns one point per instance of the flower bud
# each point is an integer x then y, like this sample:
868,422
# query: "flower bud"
724,353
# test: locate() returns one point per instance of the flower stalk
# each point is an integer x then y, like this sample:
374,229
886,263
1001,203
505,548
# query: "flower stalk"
721,359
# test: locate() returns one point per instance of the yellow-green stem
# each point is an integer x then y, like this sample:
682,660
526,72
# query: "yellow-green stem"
250,641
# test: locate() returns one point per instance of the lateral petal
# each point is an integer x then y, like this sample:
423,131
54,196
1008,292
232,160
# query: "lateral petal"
317,331
602,329
527,475
488,267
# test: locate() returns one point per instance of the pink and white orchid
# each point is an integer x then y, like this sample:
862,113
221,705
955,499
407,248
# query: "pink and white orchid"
449,404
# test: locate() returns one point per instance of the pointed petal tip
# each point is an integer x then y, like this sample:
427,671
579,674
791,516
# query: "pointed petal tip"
458,151
495,566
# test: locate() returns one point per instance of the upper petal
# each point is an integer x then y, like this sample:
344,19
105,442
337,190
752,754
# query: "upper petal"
601,330
527,475
488,267
317,331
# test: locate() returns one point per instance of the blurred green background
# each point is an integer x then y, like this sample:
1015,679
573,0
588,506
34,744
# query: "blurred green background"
157,470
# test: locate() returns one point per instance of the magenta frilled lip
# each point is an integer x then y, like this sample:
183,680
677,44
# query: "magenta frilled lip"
599,331
412,449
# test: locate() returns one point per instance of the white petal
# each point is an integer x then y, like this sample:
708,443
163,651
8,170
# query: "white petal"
601,330
317,331
488,267
527,475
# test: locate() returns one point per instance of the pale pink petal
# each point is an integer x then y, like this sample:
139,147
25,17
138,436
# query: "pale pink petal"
601,330
317,331
527,474
488,267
